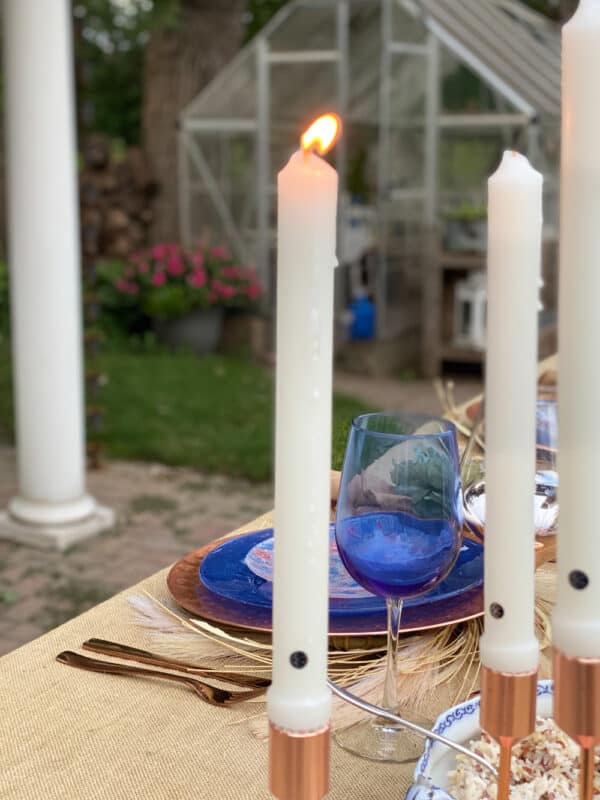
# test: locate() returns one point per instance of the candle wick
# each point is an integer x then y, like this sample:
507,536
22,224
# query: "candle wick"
307,153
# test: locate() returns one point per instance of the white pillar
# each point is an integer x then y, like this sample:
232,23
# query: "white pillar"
52,507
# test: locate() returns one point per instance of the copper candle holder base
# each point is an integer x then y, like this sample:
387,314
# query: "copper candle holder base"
507,714
577,710
298,764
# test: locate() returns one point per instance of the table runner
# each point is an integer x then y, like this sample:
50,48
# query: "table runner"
73,735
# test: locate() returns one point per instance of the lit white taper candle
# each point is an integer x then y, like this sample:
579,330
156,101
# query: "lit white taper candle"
299,700
514,264
576,619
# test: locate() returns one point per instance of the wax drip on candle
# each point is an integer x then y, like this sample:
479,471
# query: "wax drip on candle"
315,334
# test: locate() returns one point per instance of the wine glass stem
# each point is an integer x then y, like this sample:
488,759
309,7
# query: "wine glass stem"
390,690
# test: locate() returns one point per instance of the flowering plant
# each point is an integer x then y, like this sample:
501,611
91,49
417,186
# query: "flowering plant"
169,281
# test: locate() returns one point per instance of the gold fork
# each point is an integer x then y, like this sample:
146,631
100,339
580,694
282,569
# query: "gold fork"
206,691
127,653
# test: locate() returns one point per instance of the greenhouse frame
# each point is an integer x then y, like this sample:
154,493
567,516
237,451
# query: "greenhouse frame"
430,92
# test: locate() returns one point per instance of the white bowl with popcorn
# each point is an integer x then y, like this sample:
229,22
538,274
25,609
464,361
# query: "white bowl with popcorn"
544,763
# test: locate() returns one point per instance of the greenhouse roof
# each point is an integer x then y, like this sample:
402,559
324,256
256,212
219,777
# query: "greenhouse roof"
514,50
503,40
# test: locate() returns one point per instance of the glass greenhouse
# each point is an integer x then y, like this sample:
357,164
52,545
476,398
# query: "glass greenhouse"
430,92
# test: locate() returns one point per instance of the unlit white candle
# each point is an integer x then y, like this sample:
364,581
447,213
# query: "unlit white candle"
299,699
514,263
576,619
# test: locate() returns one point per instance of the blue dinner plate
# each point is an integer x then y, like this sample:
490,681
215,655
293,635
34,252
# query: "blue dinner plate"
240,570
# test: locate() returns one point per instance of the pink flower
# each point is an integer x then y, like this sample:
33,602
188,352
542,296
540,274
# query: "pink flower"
159,279
213,297
232,272
175,265
219,252
198,260
135,257
159,251
253,290
197,279
126,287
120,285
223,289
143,267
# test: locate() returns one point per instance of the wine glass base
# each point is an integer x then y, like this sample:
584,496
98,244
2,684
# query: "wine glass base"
377,740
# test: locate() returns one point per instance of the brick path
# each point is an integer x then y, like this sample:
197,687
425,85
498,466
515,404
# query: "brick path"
406,395
163,513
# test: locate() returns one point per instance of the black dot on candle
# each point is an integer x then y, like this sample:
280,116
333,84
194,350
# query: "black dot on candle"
578,579
496,610
298,659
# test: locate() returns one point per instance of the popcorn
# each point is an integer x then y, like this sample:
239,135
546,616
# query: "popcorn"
545,766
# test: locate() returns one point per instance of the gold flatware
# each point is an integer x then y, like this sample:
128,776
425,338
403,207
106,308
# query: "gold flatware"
127,653
210,694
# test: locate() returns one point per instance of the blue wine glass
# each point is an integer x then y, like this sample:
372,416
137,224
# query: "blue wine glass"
398,532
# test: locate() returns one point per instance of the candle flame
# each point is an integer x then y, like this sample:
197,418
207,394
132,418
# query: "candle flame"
322,134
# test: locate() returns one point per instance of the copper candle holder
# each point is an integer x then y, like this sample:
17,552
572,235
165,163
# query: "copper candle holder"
577,710
298,764
508,703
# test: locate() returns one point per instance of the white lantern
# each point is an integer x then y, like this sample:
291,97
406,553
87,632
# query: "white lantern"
470,303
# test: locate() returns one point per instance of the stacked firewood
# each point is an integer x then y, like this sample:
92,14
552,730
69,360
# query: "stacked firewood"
116,200
115,197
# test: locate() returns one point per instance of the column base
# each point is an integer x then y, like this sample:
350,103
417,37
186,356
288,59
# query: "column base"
32,512
56,536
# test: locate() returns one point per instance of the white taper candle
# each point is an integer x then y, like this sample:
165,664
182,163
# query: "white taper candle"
576,619
514,255
299,700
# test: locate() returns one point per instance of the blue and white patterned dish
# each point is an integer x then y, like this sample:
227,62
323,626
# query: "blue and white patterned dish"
461,724
241,570
232,586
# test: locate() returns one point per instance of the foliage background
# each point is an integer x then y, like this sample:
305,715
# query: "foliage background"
111,39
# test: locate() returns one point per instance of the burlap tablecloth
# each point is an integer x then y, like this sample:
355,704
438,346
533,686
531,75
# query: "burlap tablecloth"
73,735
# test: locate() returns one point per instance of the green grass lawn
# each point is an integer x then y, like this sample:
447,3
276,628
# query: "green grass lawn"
213,413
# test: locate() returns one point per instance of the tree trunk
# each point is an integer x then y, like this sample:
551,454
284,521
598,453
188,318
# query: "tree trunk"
567,9
179,63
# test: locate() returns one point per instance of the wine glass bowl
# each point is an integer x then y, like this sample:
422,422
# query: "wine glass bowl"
392,554
398,531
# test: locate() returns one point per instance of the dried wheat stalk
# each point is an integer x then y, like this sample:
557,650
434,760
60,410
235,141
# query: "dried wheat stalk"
430,660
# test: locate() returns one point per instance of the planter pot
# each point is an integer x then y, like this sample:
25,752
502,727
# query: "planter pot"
199,331
470,236
243,332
